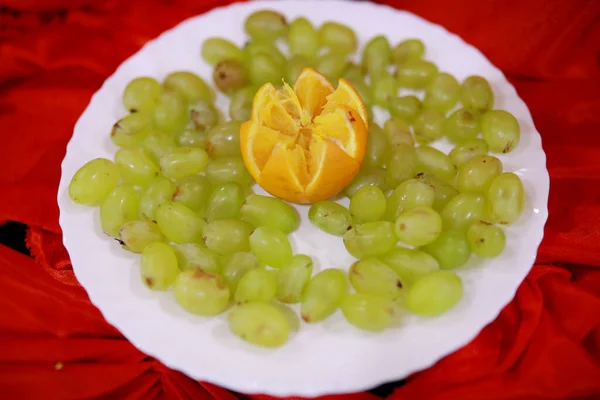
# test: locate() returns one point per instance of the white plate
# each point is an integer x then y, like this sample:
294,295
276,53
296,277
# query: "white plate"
330,357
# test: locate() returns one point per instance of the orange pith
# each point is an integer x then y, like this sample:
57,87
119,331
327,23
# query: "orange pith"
306,143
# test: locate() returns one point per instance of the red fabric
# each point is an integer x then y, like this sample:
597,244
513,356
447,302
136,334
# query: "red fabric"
55,345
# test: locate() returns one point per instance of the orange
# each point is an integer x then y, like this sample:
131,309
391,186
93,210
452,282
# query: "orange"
307,143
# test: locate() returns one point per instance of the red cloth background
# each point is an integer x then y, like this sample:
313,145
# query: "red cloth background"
54,54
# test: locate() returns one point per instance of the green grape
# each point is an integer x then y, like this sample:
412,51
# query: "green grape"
442,93
228,169
303,39
434,294
141,94
485,239
462,210
337,37
259,323
477,174
377,147
370,239
383,88
183,162
332,65
227,236
400,165
406,108
367,205
462,125
159,266
229,76
271,246
443,192
398,132
135,166
462,153
353,73
323,295
189,85
94,181
294,67
369,312
407,50
129,131
190,137
451,249
240,107
224,140
257,284
418,226
237,265
254,48
170,114
266,25
374,277
196,256
179,223
330,217
506,198
225,202
500,131
203,116
409,264
433,161
376,56
476,93
119,207
270,211
429,125
201,293
365,94
157,144
193,192
367,176
293,277
215,50
408,195
416,74
136,235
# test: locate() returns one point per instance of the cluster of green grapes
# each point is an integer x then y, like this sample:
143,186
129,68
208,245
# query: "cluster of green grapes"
178,192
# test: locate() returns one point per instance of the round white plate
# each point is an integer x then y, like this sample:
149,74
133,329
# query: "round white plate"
329,357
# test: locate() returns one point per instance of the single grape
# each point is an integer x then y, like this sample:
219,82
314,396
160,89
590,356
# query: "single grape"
293,277
434,294
462,125
159,266
196,256
370,239
224,140
500,131
183,162
410,264
94,181
353,73
259,323
429,125
201,293
189,85
367,205
369,312
215,50
374,277
225,202
170,114
506,198
135,166
141,94
119,207
337,37
323,295
462,153
451,249
408,195
462,210
365,94
442,93
255,48
227,236
129,131
228,169
136,235
383,88
398,132
237,265
266,25
433,161
367,176
179,223
229,76
401,164
409,49
485,239
416,74
157,144
442,190
376,56
258,284
203,116
294,67
240,106
332,65
377,147
330,217
406,108
477,174
418,226
193,192
303,39
270,211
476,93
270,246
